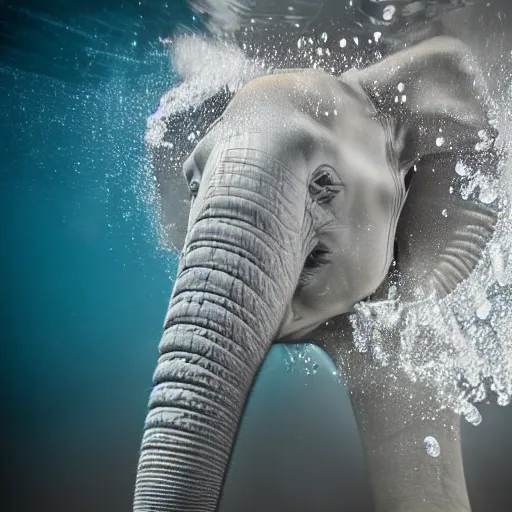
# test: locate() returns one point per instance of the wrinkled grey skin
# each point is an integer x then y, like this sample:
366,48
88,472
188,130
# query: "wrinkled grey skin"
273,251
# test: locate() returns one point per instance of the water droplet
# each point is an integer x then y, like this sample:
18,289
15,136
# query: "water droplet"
487,195
324,37
483,310
343,43
498,263
473,415
461,169
503,400
401,87
432,446
439,141
445,213
356,40
388,13
377,36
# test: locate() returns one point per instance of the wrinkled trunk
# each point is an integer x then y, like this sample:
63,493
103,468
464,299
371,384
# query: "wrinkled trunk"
235,278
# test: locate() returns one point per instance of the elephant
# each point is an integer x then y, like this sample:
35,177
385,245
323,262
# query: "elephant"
308,194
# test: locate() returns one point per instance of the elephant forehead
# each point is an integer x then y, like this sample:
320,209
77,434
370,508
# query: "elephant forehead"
310,92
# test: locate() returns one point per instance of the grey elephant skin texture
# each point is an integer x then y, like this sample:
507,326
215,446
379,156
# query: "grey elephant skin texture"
303,193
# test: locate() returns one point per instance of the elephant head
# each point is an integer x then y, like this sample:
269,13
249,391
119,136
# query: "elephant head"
300,196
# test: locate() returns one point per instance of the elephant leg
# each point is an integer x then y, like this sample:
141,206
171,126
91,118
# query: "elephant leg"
394,416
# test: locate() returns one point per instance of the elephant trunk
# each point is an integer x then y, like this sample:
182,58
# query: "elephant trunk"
234,281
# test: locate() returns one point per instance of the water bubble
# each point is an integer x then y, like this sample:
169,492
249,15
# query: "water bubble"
473,415
498,263
432,446
503,400
461,169
388,12
483,310
487,194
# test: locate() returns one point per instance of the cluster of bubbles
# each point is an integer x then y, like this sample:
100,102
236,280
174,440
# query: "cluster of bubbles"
301,359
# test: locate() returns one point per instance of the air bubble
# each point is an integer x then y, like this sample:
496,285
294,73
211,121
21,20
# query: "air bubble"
473,415
487,195
484,309
388,13
432,446
461,169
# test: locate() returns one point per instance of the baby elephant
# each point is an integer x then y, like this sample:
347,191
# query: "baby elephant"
304,192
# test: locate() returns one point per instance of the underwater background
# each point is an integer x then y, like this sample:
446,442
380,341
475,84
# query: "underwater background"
85,289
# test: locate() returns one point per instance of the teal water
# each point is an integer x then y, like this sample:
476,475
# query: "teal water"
85,288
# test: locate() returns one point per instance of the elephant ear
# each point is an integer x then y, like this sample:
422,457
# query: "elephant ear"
430,99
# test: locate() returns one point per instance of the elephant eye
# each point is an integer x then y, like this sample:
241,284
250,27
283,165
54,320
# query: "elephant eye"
193,187
324,184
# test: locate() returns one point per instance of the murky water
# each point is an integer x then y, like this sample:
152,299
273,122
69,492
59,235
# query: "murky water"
462,344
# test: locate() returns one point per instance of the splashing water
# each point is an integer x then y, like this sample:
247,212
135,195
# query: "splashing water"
462,344
205,67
